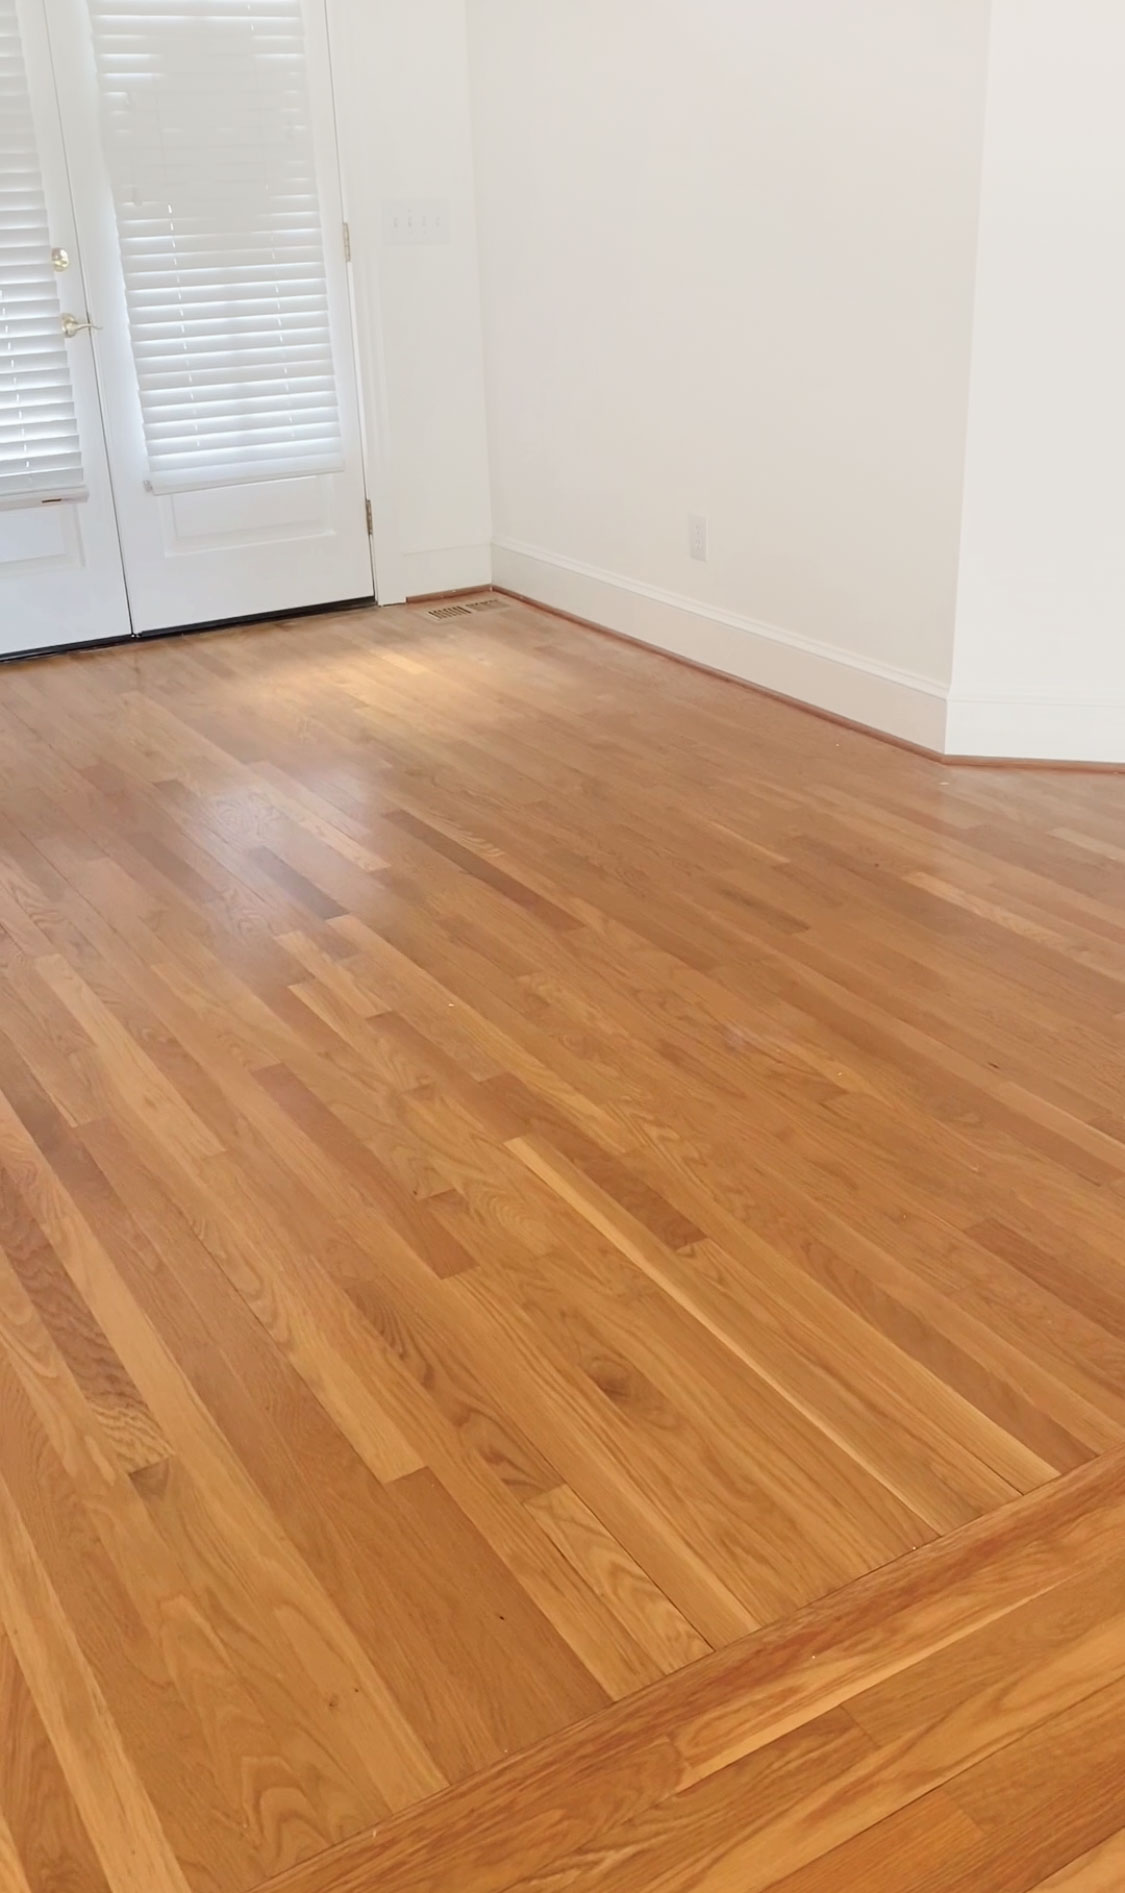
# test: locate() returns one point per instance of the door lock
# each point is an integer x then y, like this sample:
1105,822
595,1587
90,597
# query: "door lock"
72,326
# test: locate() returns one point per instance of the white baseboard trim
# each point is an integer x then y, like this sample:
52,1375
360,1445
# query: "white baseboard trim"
1031,729
446,569
900,703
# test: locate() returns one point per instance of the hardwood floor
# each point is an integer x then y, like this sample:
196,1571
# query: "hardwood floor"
561,1316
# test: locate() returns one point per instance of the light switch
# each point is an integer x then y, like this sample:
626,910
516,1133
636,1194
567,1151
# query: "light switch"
416,220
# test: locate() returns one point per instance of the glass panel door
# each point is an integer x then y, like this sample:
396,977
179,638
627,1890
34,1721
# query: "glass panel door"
201,139
60,563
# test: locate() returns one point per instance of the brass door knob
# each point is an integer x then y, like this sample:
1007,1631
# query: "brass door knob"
72,326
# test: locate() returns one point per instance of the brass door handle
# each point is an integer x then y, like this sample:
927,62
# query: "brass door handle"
71,326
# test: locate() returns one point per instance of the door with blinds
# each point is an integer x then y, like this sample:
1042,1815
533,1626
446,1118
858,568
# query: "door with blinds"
199,138
61,578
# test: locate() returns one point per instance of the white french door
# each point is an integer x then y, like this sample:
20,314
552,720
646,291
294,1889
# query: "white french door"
61,578
205,204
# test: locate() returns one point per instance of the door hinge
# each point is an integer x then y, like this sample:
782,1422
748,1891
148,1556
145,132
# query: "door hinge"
370,519
347,243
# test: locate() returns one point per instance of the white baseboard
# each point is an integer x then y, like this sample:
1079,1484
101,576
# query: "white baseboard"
446,569
901,703
1033,729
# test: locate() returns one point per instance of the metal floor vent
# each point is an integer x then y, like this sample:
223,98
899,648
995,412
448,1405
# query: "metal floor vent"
472,605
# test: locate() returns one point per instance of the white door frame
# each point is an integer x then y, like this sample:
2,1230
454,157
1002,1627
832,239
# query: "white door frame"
217,551
61,578
350,98
352,89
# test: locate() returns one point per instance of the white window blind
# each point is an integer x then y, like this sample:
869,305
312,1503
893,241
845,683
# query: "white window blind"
206,123
39,451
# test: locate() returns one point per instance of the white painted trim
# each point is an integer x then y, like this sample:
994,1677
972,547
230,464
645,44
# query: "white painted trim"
351,99
446,569
901,703
1036,729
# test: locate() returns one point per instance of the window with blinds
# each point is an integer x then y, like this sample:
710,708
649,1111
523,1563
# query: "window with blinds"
39,451
206,124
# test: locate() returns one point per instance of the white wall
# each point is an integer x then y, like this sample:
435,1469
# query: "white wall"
731,267
728,253
401,75
1040,652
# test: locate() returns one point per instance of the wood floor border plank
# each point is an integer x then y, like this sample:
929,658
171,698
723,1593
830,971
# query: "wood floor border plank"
519,1163
510,1821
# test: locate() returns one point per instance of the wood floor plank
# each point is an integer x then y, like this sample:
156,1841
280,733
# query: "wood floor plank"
931,1834
11,1866
560,1802
275,1784
100,1772
47,1846
560,1320
1102,1870
135,1437
650,1617
170,1750
249,1533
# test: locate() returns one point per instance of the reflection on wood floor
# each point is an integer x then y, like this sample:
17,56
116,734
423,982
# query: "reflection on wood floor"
560,1233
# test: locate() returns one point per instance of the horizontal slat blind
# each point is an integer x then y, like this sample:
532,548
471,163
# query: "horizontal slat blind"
39,451
205,114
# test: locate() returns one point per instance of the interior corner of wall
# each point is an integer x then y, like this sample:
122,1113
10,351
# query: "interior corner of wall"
446,569
898,703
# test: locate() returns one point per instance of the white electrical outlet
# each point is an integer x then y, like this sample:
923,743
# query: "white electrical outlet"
697,536
416,220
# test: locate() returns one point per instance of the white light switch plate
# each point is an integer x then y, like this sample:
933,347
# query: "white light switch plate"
416,220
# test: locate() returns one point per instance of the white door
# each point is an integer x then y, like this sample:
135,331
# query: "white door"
201,141
61,580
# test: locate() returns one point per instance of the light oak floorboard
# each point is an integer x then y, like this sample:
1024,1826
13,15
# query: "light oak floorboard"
561,1321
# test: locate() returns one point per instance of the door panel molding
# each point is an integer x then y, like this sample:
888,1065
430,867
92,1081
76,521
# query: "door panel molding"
61,580
313,548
